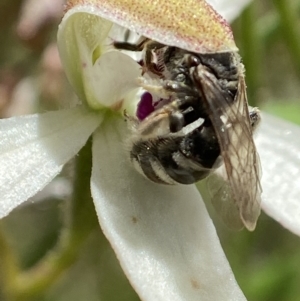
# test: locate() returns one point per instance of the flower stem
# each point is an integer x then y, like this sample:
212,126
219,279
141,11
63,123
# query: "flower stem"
81,220
8,266
289,23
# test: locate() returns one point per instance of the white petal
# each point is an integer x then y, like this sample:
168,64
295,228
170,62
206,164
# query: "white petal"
112,76
194,26
162,235
77,43
99,78
34,148
229,9
278,145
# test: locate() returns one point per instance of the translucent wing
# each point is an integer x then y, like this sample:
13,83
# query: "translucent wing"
221,197
230,118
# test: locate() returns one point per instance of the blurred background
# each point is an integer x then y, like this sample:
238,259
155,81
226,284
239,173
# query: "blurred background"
266,263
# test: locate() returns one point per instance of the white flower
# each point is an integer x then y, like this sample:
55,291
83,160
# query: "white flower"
229,9
278,144
163,236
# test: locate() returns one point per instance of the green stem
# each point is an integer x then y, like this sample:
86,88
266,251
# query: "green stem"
81,221
267,28
8,267
289,22
251,53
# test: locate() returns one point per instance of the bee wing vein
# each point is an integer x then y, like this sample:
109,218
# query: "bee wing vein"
230,119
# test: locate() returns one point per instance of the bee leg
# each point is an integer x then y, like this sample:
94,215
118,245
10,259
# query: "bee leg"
189,104
146,44
255,118
152,67
154,87
189,158
139,46
131,47
177,87
176,121
187,97
179,119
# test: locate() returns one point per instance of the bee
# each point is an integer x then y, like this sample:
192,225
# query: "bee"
203,125
199,123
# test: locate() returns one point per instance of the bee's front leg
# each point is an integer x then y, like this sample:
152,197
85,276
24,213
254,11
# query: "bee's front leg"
146,44
139,46
189,106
